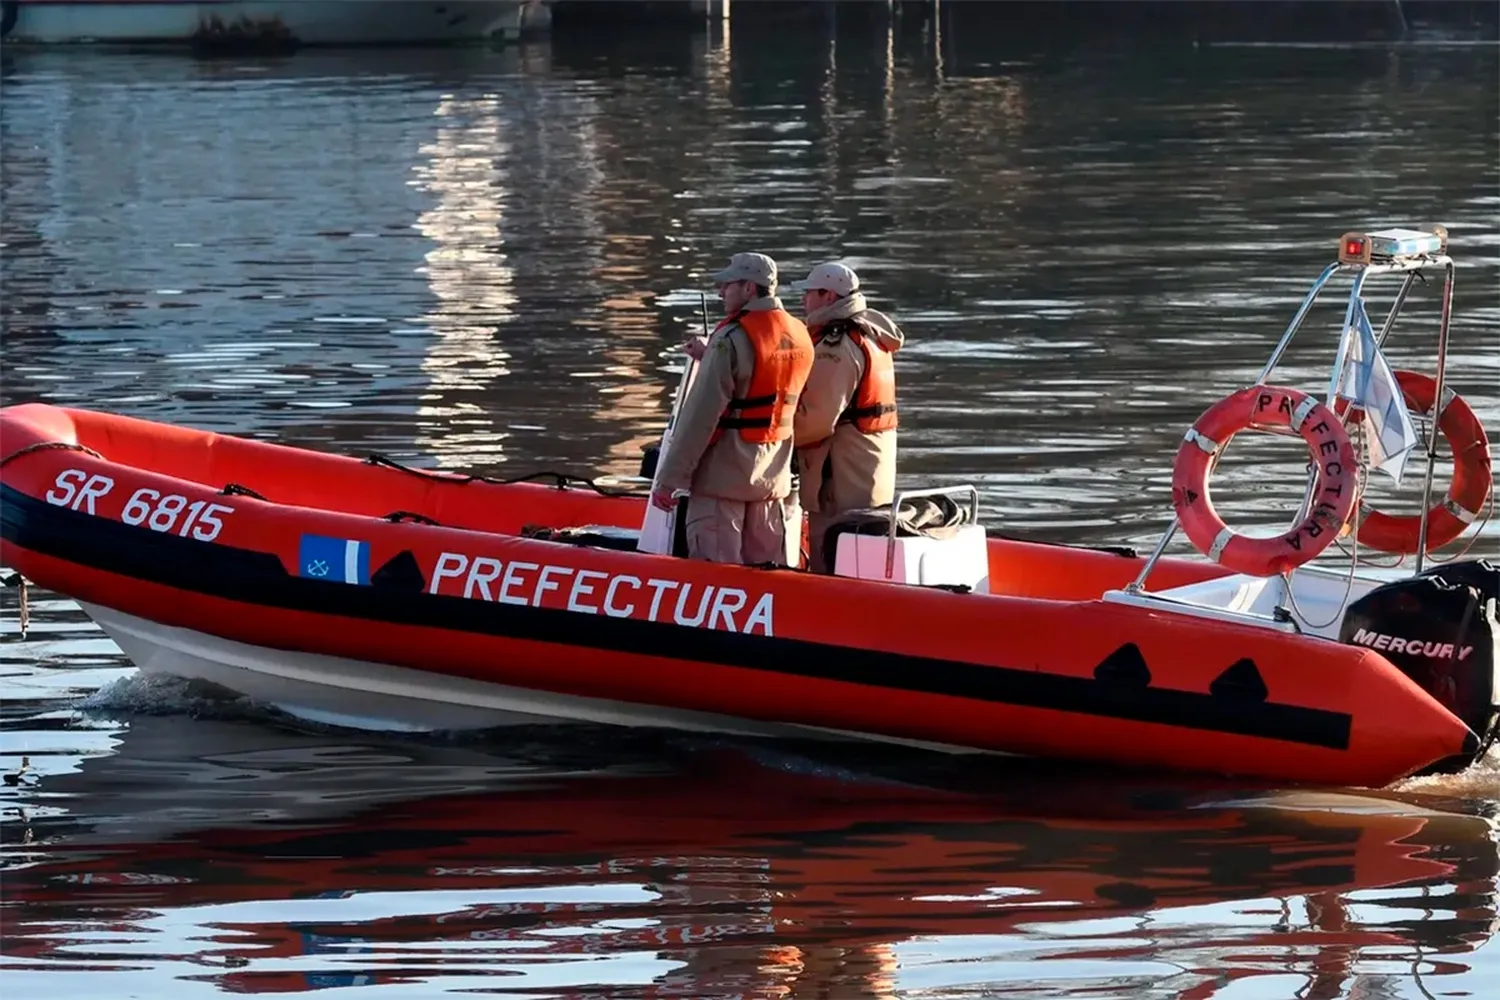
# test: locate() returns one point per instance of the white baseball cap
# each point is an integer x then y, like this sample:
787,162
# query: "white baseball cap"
830,277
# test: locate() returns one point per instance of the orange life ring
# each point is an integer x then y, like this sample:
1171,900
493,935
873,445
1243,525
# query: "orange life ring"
1334,489
1472,477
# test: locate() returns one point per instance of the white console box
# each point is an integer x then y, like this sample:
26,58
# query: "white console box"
962,558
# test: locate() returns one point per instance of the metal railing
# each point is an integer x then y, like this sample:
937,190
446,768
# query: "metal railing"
1411,267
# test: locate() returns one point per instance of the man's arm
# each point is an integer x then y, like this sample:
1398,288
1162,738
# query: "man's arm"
829,391
713,388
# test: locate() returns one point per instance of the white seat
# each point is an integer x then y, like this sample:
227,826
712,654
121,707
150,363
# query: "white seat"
1315,606
874,545
960,560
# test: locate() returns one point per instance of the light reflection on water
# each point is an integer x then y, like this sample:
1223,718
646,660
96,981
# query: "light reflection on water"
486,259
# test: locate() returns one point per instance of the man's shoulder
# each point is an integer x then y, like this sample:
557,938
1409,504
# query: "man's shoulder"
728,334
838,355
832,346
836,332
879,326
728,343
843,341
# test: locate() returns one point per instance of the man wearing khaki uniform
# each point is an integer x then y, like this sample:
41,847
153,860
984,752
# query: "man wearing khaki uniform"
846,419
731,447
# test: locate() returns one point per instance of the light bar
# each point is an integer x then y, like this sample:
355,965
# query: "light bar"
1389,244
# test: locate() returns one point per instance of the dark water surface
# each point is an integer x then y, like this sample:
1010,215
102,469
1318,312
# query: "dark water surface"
484,260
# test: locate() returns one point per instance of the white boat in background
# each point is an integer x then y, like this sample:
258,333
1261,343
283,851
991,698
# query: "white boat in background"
269,23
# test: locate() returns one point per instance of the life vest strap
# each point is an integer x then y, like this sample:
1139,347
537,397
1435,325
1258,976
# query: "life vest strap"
745,404
737,423
854,413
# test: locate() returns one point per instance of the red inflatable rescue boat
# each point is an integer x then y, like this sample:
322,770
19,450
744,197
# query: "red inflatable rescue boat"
367,592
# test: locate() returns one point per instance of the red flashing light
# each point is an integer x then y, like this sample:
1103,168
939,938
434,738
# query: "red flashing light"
1354,248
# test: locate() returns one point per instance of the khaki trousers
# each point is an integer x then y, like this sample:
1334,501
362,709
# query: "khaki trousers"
749,533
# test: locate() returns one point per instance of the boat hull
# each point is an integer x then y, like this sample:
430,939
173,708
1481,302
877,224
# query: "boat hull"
269,22
331,556
332,690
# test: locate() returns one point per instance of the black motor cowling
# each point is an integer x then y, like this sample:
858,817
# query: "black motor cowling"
1440,629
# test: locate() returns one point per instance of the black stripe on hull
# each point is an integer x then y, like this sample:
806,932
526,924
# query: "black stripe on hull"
258,578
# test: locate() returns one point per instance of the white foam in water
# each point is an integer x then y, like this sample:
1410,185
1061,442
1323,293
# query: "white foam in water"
1480,779
163,694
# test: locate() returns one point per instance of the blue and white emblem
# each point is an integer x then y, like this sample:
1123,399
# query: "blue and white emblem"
340,560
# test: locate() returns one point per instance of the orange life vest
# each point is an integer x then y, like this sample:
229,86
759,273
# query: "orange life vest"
783,360
873,408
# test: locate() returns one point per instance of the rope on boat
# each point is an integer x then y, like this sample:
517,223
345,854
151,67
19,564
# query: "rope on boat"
559,479
1343,601
49,446
397,516
1489,507
235,489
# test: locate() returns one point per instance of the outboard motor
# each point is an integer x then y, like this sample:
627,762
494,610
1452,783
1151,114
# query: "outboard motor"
1439,628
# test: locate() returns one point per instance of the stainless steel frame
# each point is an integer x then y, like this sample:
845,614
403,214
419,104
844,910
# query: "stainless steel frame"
1437,409
1411,267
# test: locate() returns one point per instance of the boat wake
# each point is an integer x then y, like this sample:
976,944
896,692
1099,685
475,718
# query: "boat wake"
1480,780
143,694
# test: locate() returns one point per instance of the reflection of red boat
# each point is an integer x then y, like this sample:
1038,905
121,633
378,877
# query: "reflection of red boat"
735,873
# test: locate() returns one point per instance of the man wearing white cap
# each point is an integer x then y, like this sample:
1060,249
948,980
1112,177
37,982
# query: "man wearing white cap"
732,446
846,420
